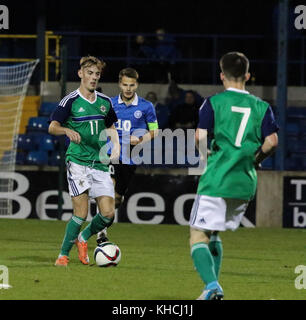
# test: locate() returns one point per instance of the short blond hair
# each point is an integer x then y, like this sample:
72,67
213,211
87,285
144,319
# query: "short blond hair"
88,61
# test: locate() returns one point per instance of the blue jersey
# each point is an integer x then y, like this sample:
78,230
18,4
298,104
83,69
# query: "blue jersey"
135,119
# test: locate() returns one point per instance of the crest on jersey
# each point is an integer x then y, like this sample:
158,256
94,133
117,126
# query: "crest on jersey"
137,114
103,108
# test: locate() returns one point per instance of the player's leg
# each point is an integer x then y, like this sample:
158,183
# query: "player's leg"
113,170
103,219
73,227
216,249
204,264
121,175
206,215
78,185
102,190
235,210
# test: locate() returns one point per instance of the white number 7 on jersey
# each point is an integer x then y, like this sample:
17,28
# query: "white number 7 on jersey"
246,114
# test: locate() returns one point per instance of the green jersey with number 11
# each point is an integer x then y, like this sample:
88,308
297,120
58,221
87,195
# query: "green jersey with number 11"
239,122
89,119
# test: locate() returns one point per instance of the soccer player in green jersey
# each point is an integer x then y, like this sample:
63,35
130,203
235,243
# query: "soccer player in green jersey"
87,118
244,134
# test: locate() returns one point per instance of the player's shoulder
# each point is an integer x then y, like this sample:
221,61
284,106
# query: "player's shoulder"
225,95
103,96
114,99
69,98
144,103
206,102
258,99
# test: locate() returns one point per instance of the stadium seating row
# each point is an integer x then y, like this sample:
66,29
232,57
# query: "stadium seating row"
40,158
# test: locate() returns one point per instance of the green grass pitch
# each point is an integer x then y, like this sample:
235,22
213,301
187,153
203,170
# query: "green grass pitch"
258,264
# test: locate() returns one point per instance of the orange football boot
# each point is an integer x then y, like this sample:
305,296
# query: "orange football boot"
62,261
83,251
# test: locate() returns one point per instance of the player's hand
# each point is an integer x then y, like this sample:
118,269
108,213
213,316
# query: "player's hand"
134,140
73,135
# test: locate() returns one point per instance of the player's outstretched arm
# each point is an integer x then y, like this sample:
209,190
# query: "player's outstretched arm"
145,138
56,129
267,149
201,142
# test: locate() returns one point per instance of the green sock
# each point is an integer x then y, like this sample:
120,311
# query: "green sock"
203,262
216,249
98,223
73,228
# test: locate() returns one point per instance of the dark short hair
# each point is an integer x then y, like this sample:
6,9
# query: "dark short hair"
234,65
128,72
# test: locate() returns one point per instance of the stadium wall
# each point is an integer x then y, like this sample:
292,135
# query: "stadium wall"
281,199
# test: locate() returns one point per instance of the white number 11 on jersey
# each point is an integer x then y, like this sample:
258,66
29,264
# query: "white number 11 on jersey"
92,127
246,114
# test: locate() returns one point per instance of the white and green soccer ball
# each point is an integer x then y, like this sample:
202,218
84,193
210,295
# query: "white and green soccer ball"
107,254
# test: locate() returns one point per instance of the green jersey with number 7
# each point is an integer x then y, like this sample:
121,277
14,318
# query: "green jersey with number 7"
237,120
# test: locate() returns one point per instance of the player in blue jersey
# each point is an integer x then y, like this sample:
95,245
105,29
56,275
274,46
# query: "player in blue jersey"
137,124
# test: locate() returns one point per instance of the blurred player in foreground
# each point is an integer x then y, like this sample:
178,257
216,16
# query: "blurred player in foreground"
137,124
244,134
84,116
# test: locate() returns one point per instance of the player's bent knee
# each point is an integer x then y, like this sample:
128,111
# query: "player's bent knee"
109,213
197,236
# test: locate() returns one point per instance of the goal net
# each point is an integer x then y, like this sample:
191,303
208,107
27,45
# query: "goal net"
14,81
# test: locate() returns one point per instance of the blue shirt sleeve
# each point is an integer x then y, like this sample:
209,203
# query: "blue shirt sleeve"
150,113
206,116
268,125
61,113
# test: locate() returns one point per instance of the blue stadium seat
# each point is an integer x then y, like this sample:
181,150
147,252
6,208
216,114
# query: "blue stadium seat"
294,161
47,108
20,158
46,143
26,142
38,124
292,129
21,141
55,159
303,163
303,127
292,143
296,112
37,158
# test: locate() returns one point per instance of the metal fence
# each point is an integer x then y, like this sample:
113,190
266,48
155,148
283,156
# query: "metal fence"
193,60
195,57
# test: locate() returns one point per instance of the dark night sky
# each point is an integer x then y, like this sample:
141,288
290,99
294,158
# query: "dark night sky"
192,16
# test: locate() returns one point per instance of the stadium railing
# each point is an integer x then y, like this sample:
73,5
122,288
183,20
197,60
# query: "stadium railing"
193,49
196,60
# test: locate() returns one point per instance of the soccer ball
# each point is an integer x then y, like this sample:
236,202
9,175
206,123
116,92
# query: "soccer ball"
107,254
